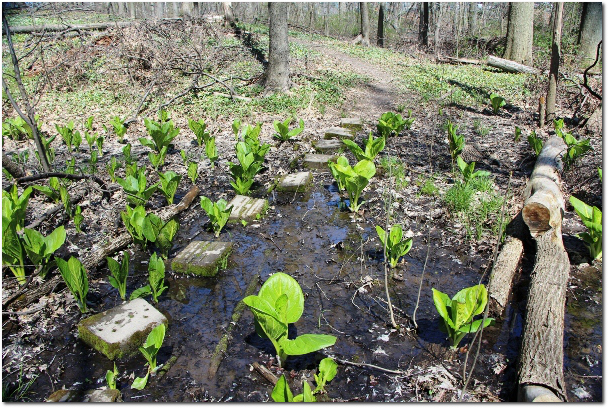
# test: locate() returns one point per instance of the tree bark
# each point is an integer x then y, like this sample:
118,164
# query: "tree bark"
95,258
380,41
590,32
544,203
519,33
472,18
558,9
12,167
364,24
423,27
277,75
228,15
511,66
438,18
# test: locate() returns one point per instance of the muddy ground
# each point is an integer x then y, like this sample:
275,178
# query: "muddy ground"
337,259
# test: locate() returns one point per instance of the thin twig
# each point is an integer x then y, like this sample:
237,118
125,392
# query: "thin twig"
365,365
428,250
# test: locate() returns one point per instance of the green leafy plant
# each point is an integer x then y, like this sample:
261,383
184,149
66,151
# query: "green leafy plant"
480,129
468,170
75,277
193,171
243,173
135,188
327,371
48,150
118,274
458,313
390,123
164,238
283,132
158,159
217,212
355,179
340,180
199,129
279,303
17,128
536,143
372,147
119,128
126,152
111,378
69,136
455,141
78,218
517,133
282,393
211,151
141,226
13,221
39,248
497,102
394,243
592,219
150,349
576,148
156,280
161,133
112,166
168,184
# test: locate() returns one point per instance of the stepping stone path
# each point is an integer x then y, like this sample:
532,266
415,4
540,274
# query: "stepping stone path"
247,208
203,258
99,395
295,182
328,145
339,133
317,161
120,331
353,124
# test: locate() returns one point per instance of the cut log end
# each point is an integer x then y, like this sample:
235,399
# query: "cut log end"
537,217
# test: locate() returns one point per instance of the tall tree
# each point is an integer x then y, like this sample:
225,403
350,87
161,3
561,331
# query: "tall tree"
558,9
380,40
472,18
438,16
277,71
423,27
590,32
228,15
519,33
364,23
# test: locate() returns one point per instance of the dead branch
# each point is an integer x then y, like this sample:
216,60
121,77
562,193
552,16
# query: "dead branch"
102,185
73,200
12,167
597,57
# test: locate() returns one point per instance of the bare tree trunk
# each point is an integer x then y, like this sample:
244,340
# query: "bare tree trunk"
558,9
438,27
423,27
277,75
380,40
519,33
364,23
590,32
228,15
311,15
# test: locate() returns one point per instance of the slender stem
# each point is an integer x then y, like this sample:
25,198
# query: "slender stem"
386,232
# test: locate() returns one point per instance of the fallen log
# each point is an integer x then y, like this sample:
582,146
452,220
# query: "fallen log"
12,167
97,257
64,27
511,66
501,277
457,61
541,362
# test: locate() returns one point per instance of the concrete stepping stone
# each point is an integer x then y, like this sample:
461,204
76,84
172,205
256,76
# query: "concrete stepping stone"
203,258
120,331
247,208
99,395
297,182
353,124
328,145
339,133
317,161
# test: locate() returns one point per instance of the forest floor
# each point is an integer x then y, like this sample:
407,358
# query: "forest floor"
334,255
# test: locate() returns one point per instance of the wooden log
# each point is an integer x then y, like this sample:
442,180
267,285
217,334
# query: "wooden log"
13,168
457,61
544,203
541,362
95,258
222,345
511,66
505,267
62,27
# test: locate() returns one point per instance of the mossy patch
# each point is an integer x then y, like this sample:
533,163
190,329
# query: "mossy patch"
203,258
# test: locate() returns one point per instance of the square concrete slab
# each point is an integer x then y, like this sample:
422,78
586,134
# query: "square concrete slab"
247,208
297,182
354,124
120,331
203,258
339,133
328,145
318,161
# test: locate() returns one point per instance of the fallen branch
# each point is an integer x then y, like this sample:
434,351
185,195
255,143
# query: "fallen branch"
63,27
511,66
365,365
12,167
41,176
95,258
222,346
266,373
73,200
457,61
